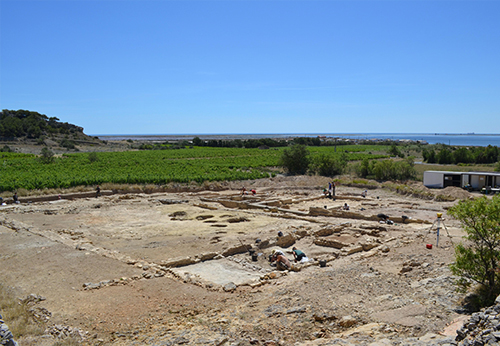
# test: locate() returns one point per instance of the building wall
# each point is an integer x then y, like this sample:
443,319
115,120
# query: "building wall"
434,179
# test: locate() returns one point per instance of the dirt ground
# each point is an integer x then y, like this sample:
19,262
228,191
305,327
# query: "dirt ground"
175,268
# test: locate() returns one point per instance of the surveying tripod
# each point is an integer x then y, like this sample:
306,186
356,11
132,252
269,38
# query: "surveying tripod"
438,222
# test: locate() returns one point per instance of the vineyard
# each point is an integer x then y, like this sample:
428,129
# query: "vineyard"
157,167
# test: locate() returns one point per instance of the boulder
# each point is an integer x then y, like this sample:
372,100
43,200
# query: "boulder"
285,241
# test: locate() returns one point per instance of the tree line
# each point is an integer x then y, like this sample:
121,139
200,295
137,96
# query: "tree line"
274,143
297,160
456,155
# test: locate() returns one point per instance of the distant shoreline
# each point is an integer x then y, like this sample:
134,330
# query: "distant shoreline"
267,135
460,139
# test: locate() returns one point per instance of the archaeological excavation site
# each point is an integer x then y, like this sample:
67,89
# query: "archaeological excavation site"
192,266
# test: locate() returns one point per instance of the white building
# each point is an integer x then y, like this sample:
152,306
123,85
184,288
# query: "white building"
477,180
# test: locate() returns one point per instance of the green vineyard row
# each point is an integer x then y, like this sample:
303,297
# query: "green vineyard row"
158,167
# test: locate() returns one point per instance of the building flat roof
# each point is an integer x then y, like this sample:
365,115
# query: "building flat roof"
497,174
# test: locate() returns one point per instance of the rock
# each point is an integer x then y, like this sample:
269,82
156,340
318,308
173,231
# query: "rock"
296,310
330,243
285,241
273,310
326,231
347,321
368,244
179,262
229,287
172,201
90,285
354,249
323,316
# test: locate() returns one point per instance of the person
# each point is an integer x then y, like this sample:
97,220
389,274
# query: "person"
333,188
282,263
345,207
274,254
243,191
16,200
330,189
253,192
6,337
297,254
363,194
97,191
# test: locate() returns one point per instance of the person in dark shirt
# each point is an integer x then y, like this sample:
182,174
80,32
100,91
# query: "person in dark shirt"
298,255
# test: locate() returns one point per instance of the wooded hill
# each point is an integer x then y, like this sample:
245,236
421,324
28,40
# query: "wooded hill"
33,125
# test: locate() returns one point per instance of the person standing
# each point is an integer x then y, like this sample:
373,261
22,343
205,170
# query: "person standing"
97,191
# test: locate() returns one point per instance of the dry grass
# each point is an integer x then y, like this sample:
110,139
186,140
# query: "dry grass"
26,330
17,316
406,190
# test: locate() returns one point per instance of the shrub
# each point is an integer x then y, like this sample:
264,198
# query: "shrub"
329,165
6,149
46,155
68,144
93,157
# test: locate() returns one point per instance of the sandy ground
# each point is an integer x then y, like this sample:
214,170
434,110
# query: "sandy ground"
150,269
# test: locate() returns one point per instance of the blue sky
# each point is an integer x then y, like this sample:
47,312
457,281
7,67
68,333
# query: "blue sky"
200,67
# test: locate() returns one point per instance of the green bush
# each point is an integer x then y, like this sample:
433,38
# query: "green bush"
476,260
93,157
295,159
66,143
46,155
329,165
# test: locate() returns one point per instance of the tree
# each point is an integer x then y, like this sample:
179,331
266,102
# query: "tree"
476,261
197,141
394,151
295,159
429,155
445,156
329,165
46,155
364,168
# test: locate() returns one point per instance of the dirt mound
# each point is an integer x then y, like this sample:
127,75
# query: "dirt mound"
454,192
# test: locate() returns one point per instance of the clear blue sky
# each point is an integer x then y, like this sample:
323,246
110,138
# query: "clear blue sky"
200,67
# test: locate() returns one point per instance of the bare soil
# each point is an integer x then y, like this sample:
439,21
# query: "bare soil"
159,269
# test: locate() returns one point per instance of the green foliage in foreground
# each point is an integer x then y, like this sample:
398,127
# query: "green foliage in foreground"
147,167
476,261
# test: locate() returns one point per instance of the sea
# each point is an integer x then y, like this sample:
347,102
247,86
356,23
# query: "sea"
466,139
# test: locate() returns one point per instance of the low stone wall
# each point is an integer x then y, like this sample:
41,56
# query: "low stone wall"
48,198
316,211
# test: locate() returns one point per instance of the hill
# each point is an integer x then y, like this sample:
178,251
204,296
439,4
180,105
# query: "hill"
27,128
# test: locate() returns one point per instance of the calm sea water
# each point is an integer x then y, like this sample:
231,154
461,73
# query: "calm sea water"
482,140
